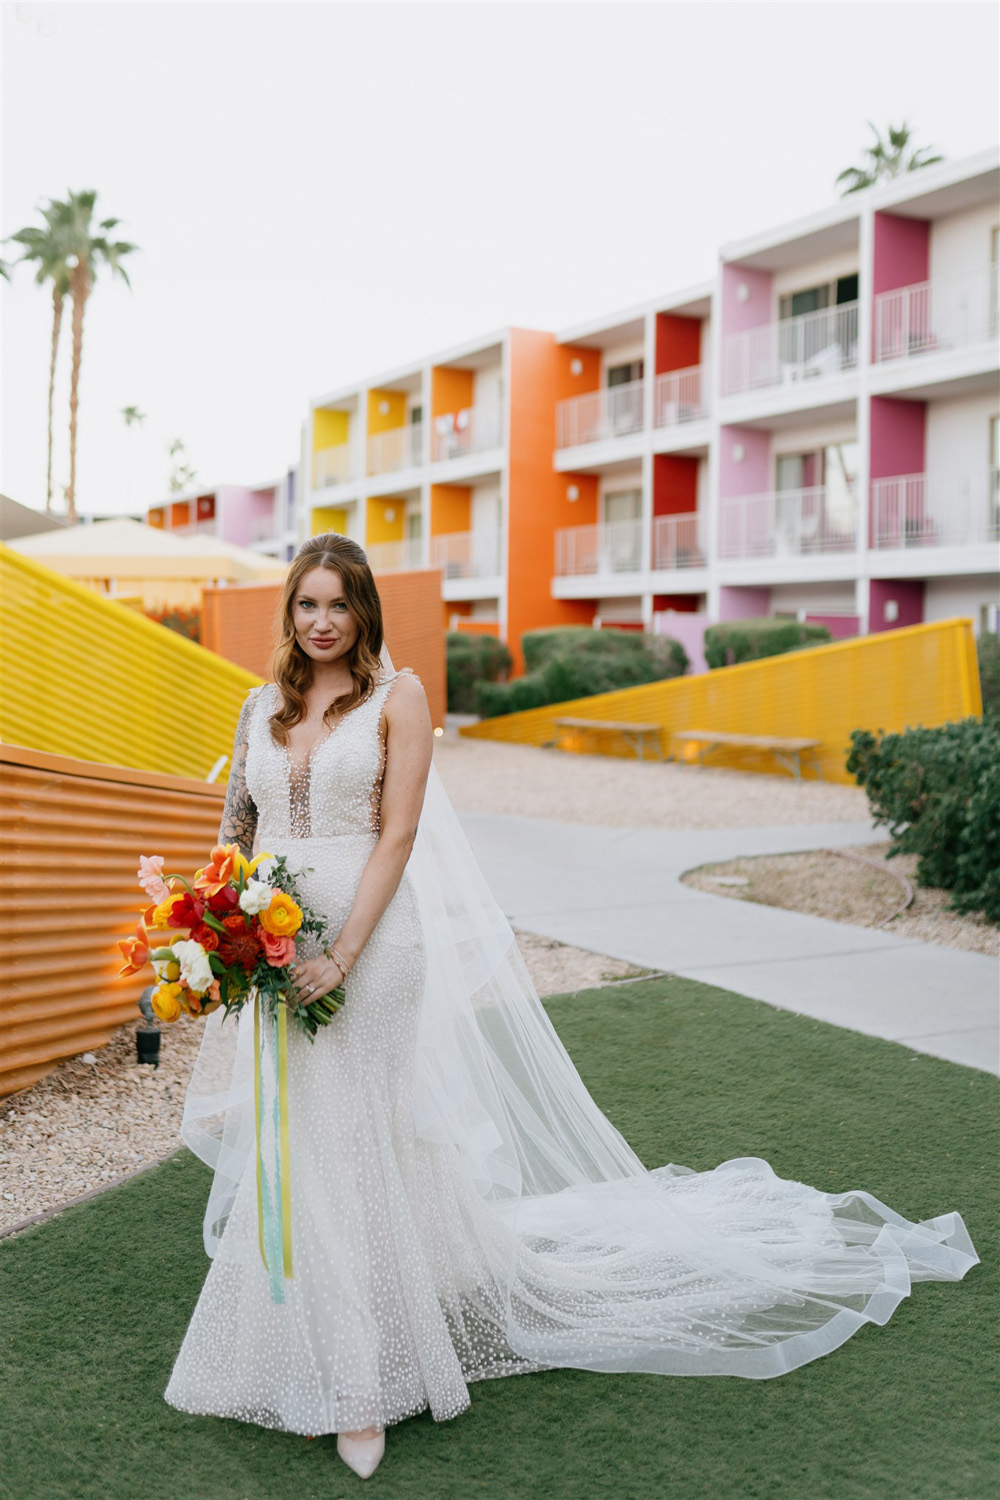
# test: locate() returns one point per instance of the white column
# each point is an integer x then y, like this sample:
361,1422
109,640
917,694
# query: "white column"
866,282
712,508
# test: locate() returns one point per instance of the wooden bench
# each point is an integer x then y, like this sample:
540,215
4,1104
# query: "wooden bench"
787,750
636,734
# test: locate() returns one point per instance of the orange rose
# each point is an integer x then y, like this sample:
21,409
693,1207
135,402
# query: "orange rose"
283,917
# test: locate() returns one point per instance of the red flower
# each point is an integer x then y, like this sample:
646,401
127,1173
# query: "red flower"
206,936
223,901
235,922
186,912
240,948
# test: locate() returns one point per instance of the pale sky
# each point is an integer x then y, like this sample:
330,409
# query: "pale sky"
324,191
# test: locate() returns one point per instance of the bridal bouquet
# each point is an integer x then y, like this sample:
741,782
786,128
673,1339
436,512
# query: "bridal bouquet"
212,940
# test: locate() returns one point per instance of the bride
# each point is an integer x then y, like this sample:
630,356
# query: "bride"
460,1209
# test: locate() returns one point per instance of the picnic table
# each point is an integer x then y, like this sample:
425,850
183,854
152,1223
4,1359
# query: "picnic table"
636,734
787,750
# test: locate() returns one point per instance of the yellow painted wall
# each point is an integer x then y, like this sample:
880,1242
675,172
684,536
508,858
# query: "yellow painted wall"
925,674
114,687
331,429
329,518
451,508
379,527
385,421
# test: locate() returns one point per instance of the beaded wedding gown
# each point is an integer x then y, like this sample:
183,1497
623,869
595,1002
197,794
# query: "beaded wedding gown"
460,1207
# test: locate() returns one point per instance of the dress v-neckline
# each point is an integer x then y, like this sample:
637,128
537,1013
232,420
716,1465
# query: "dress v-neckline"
302,767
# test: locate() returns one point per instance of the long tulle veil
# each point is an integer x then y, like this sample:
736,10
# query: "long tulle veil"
600,1263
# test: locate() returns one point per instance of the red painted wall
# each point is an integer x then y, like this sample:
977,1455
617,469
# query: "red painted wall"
678,342
908,594
675,484
898,434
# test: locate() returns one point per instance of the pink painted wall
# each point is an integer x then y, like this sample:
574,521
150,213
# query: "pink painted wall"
237,507
908,594
898,431
901,252
841,627
753,475
756,310
689,629
744,603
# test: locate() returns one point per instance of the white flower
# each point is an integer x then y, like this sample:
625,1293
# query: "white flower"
196,971
256,897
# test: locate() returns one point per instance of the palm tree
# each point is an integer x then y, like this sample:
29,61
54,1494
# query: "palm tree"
86,253
182,474
132,416
47,247
886,159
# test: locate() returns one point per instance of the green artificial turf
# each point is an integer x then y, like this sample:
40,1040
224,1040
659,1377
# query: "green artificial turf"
96,1301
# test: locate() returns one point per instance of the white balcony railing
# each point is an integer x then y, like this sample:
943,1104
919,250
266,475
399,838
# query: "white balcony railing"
677,542
264,528
332,465
615,547
474,429
399,448
467,554
678,397
787,523
934,315
613,412
394,557
811,346
936,510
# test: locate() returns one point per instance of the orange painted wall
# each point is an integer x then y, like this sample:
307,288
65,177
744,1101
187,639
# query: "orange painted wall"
678,342
539,377
451,390
240,623
451,508
675,484
479,627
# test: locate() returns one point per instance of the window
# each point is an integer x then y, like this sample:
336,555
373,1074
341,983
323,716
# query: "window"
625,374
416,414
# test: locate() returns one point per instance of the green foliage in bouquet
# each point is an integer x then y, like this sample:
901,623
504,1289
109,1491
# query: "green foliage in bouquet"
938,791
749,640
576,661
472,659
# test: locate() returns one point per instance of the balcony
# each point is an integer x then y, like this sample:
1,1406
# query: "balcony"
813,346
678,398
613,412
612,548
474,429
332,466
676,542
956,313
395,557
467,554
935,510
399,448
787,523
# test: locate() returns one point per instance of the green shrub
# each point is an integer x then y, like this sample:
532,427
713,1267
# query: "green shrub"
938,791
749,640
988,648
472,659
577,662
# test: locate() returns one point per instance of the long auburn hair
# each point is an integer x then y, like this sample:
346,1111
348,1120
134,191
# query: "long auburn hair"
291,669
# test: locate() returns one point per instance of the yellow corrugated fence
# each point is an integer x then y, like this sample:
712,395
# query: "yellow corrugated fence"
87,677
924,674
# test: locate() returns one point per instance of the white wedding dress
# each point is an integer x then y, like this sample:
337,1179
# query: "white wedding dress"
460,1207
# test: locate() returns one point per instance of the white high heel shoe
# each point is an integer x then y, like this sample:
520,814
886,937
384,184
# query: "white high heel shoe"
363,1455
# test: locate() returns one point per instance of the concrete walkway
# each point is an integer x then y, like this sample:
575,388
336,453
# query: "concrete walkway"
618,891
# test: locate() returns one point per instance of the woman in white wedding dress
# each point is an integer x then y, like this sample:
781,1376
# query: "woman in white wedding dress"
460,1207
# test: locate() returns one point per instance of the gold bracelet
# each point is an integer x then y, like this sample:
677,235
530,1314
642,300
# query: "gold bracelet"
345,968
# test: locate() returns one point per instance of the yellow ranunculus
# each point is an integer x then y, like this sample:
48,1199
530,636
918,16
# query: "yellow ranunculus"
165,1001
283,917
161,915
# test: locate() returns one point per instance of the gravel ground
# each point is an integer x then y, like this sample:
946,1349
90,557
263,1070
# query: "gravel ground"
490,776
824,884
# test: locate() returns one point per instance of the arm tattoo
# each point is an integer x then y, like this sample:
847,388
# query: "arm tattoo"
239,815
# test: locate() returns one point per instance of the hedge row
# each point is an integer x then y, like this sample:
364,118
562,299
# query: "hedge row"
749,640
577,662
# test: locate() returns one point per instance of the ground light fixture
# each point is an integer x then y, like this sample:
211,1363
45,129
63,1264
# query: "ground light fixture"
147,1037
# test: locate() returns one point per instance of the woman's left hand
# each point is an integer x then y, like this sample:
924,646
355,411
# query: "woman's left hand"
323,974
